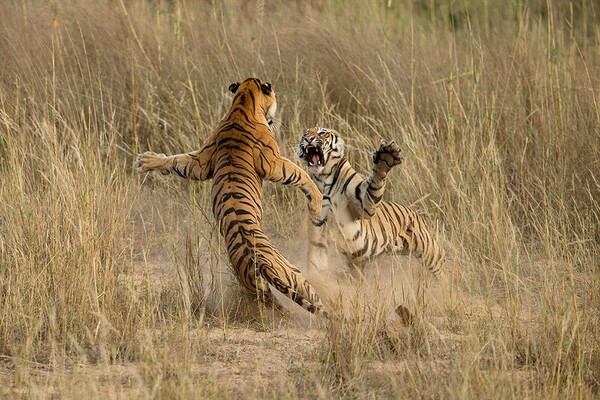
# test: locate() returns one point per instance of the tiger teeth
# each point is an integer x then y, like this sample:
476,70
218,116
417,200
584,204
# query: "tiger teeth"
313,156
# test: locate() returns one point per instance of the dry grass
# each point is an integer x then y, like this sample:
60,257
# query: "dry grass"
114,284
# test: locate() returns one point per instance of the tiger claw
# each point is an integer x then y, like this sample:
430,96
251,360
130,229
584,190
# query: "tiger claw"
388,154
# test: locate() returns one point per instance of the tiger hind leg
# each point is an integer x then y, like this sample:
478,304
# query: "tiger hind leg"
259,289
423,246
288,280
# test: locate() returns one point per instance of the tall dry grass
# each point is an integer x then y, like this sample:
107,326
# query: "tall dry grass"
495,105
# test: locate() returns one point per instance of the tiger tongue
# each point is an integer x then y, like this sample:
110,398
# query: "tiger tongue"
315,159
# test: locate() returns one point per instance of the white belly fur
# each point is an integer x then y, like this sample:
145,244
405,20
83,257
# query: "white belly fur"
343,226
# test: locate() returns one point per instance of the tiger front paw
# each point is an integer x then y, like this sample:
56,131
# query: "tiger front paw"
315,202
150,161
388,155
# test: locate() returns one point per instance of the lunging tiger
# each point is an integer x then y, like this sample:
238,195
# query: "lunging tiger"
238,156
363,225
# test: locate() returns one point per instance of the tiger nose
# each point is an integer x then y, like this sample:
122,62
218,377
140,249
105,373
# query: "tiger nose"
309,139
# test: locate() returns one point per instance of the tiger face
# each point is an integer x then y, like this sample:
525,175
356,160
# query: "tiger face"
257,94
320,148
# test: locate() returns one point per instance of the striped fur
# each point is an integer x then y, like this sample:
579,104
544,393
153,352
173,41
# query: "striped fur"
238,156
363,225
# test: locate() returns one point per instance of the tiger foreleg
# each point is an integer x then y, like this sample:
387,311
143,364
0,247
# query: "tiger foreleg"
317,240
194,165
286,172
371,190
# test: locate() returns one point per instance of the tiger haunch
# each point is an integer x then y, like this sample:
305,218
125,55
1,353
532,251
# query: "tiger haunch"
238,156
363,225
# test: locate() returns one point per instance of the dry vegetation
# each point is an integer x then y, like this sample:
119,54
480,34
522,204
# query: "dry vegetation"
114,284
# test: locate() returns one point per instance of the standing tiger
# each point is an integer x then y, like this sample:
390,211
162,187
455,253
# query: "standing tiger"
238,156
366,225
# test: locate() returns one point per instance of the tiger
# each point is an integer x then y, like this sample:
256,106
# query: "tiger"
364,225
238,156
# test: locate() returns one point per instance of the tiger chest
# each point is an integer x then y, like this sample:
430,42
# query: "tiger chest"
345,230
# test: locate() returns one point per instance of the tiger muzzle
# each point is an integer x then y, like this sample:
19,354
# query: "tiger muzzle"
313,155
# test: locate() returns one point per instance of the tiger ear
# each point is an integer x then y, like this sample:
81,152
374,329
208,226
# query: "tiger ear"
266,88
234,87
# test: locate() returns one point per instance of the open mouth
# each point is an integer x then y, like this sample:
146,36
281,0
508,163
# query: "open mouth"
313,155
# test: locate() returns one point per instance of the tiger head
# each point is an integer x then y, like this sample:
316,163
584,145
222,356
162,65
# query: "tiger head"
256,94
320,148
